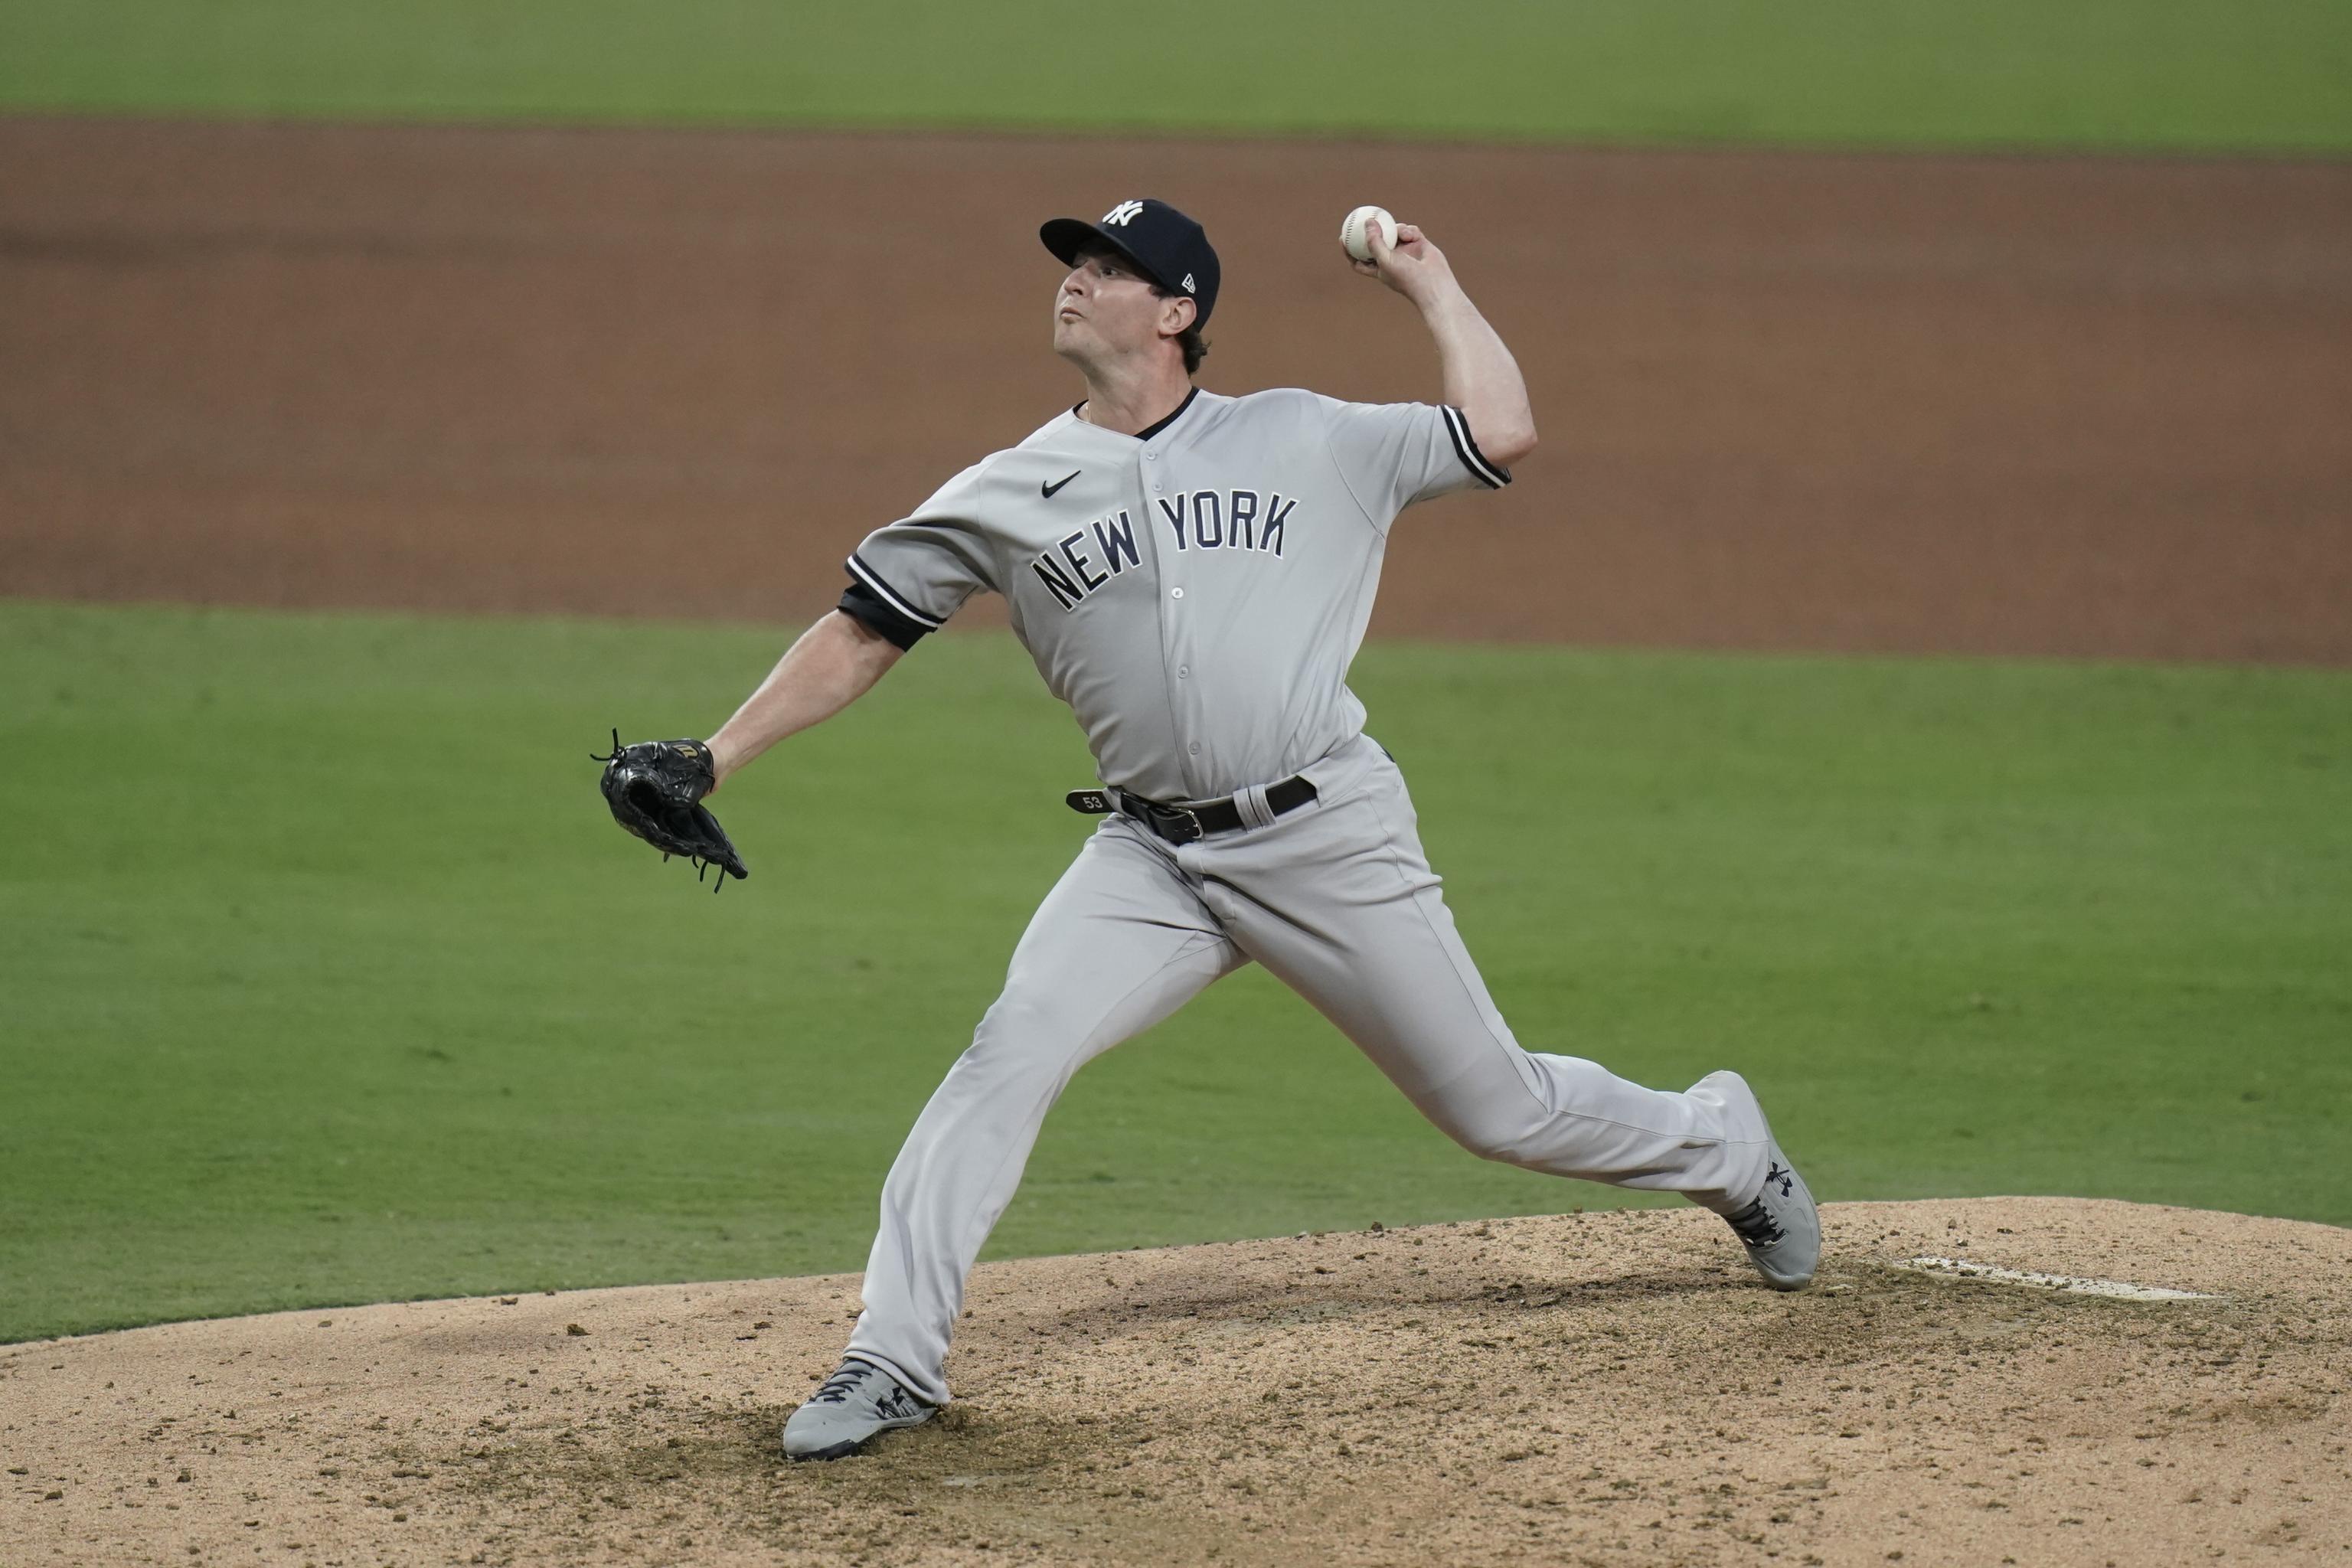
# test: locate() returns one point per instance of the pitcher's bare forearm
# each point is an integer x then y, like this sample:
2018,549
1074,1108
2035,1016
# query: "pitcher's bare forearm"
1482,379
834,663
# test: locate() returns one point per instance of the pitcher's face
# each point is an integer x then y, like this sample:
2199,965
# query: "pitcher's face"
1105,310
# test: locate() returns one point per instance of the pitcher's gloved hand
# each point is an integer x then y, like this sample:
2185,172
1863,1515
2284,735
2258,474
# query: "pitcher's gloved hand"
655,789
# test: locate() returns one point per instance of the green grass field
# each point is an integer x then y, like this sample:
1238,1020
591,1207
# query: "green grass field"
327,978
2194,75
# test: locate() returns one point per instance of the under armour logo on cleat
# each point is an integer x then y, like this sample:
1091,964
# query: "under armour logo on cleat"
1120,213
1787,1178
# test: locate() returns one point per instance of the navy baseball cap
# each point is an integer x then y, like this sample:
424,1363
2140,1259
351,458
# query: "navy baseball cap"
1173,250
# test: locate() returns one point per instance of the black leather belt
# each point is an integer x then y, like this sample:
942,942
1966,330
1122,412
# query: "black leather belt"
1183,824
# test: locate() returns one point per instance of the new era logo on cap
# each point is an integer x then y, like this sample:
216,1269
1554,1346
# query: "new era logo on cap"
1168,248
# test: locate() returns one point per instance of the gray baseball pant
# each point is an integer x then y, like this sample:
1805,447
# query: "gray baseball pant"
1337,899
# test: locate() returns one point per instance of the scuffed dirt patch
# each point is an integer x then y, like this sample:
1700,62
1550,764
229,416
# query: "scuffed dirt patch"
1607,1388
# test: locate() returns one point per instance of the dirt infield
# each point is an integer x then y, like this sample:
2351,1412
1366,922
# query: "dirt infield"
1592,1389
1986,405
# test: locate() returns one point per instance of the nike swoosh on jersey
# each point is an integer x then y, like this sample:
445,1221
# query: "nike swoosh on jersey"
1047,491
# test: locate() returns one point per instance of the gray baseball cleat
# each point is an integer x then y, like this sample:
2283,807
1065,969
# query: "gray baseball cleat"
855,1404
1781,1230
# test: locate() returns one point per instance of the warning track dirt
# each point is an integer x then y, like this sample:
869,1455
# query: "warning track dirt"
1611,1388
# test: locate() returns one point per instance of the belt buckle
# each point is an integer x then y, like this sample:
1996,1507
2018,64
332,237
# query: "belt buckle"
1191,830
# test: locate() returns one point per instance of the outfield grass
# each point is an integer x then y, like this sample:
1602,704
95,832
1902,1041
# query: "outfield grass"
327,979
2137,74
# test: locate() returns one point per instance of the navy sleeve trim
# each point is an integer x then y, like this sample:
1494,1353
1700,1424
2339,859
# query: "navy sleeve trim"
858,602
887,618
1494,475
891,596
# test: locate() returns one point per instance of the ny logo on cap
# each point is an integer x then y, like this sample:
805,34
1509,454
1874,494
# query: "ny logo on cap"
1122,212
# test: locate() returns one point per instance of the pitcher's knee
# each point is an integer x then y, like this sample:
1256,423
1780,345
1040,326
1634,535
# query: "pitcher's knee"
1024,1036
1507,1137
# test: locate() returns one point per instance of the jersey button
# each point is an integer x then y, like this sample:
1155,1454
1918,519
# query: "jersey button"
1196,748
1175,592
1183,672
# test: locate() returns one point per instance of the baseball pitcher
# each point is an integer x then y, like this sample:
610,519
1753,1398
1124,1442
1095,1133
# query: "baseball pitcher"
1193,574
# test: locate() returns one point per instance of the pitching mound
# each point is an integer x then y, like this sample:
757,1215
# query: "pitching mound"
1598,1388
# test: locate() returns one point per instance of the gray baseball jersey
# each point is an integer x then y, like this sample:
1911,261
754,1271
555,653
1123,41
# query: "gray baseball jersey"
1195,593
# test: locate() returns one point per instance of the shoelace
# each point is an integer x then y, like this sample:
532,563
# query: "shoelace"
843,1383
1756,1227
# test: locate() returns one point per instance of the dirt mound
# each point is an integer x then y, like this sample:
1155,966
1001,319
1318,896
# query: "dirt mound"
1986,405
1596,1388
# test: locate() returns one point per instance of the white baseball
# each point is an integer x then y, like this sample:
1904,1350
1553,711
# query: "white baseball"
1355,241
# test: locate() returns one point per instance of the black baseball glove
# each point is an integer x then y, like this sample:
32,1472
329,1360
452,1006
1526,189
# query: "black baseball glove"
655,789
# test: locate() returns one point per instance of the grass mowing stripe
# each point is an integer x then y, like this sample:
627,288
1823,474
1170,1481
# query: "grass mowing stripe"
329,980
2180,75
